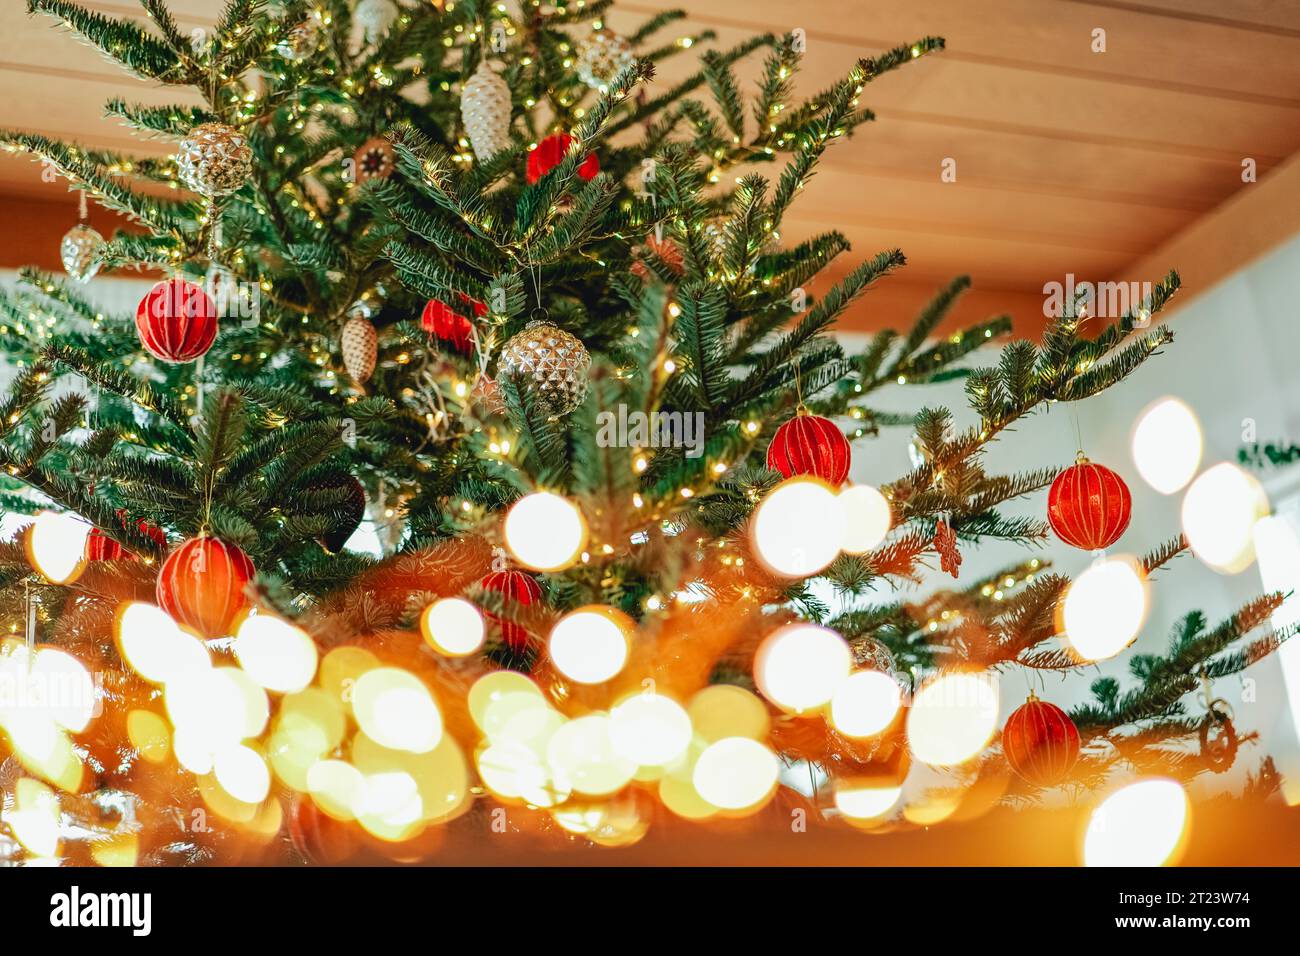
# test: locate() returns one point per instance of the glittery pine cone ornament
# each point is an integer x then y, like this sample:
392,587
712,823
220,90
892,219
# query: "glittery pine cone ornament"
78,249
601,57
550,362
485,109
359,346
214,160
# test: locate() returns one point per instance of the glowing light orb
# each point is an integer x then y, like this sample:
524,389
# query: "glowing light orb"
155,647
494,687
1142,824
275,653
1219,514
725,710
798,528
650,730
452,626
67,691
395,710
590,645
736,773
545,531
799,666
865,704
1104,608
149,735
867,518
952,718
242,773
336,787
1167,445
34,819
865,803
512,770
582,754
215,709
56,546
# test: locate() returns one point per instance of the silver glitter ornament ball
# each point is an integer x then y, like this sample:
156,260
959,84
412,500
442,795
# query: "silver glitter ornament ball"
485,109
601,57
78,249
551,362
214,160
872,654
299,42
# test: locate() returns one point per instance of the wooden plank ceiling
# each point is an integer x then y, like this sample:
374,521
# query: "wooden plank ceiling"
1068,160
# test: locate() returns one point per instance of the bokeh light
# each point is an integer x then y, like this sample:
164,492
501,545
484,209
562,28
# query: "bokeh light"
799,666
394,709
1104,608
452,626
725,710
861,802
952,718
1142,824
798,528
1219,514
155,647
545,531
56,546
242,773
865,703
590,645
736,773
275,653
582,754
650,730
1167,445
867,518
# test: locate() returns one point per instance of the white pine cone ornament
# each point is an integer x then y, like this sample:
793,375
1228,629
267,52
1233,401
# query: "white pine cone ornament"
374,17
601,57
485,109
359,344
214,160
299,42
78,249
550,362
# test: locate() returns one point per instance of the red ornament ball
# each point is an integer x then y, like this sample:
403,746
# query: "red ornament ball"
551,151
449,325
319,838
176,321
810,445
201,585
1040,742
100,547
1089,506
515,586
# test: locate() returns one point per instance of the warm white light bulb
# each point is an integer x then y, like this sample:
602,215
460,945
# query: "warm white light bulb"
1142,824
866,518
865,704
1104,608
799,666
798,528
736,773
56,546
1167,445
590,645
1219,514
545,531
952,718
278,655
453,626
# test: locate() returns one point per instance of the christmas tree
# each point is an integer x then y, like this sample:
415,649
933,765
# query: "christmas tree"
467,274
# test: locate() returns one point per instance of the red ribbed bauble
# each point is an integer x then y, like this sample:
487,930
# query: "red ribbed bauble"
449,325
176,321
810,445
1089,506
1040,742
318,837
100,547
514,586
201,585
551,151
